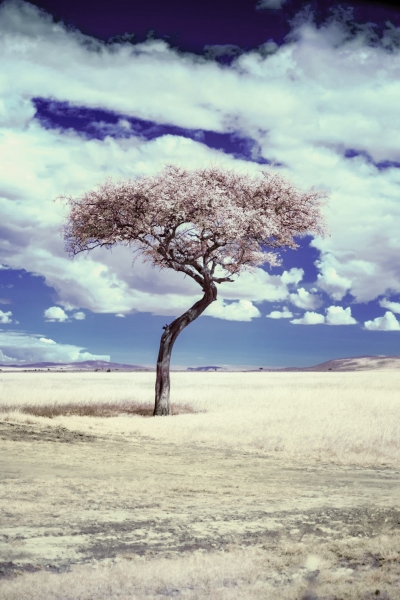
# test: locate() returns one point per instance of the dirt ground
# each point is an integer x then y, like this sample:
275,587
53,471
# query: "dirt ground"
68,498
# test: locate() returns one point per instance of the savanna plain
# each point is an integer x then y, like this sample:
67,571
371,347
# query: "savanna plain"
281,486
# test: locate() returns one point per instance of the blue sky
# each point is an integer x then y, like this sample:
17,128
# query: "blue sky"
306,90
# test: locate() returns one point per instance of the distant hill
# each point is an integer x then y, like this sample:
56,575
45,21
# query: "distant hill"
211,368
356,363
85,365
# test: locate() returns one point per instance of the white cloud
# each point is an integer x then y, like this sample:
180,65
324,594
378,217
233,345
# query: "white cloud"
294,276
46,340
120,315
277,314
79,316
303,299
309,318
337,315
307,94
5,317
259,286
5,359
55,313
270,4
120,129
392,306
22,348
243,310
386,323
333,284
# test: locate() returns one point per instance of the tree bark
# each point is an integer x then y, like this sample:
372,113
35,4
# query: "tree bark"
162,405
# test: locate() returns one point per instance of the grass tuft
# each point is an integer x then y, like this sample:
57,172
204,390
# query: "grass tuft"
92,409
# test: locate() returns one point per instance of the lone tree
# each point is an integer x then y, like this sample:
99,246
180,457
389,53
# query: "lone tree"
208,223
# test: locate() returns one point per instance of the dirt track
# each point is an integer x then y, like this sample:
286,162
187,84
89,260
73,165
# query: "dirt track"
67,498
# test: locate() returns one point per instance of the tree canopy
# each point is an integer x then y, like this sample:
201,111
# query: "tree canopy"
194,221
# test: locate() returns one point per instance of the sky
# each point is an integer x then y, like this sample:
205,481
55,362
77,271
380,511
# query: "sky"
120,89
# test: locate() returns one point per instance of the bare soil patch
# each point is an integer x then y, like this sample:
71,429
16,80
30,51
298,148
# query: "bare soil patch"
19,432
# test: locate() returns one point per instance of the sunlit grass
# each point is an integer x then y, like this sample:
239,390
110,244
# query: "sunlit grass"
346,418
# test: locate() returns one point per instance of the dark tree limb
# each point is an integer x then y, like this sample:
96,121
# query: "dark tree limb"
168,338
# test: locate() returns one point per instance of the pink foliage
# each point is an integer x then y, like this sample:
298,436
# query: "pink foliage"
196,221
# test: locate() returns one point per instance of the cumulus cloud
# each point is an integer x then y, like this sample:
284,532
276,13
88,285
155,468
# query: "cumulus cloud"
120,129
218,50
292,277
337,315
5,317
46,340
4,359
270,4
22,348
55,314
386,323
329,280
303,299
79,316
306,93
244,310
259,286
309,318
392,306
280,314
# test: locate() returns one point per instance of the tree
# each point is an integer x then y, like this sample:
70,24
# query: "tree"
209,223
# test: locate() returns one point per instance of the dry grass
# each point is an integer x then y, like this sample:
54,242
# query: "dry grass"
93,409
341,418
356,569
345,418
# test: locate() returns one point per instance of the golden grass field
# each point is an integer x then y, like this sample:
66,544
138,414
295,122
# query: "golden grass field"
262,485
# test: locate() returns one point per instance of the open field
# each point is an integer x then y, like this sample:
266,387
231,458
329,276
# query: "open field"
263,485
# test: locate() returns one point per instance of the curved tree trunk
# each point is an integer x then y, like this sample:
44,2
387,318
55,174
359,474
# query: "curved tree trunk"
162,406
